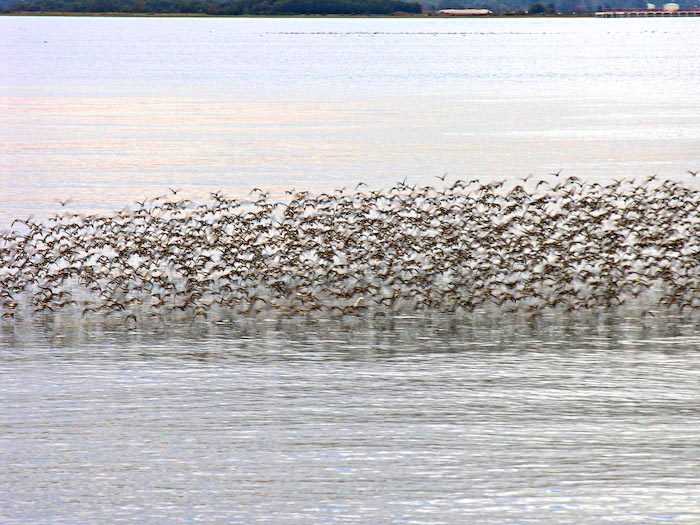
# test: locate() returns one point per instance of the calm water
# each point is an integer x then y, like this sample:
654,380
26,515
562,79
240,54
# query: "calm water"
105,111
484,419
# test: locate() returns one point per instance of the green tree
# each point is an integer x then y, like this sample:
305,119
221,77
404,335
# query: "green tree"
540,9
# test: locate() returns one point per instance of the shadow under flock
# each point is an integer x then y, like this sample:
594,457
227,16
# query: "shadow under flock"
535,246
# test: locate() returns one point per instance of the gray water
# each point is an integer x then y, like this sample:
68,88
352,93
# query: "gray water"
408,420
105,111
476,419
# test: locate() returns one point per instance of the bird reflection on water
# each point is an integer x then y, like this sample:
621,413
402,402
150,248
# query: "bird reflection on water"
558,243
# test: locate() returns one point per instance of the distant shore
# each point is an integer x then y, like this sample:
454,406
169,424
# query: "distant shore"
205,15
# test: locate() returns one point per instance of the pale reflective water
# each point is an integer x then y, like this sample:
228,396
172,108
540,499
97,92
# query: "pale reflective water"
410,420
104,111
473,420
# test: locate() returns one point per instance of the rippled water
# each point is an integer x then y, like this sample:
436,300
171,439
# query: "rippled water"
401,420
477,419
105,111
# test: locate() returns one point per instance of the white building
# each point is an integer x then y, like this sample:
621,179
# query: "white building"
465,12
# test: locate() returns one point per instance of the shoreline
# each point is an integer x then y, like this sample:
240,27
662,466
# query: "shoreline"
205,15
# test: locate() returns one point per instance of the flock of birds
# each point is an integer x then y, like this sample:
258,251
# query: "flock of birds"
559,242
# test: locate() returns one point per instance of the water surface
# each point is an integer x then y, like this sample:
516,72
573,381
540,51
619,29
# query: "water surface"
403,420
484,418
105,111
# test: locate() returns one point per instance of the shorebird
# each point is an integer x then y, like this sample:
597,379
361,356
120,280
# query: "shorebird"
575,245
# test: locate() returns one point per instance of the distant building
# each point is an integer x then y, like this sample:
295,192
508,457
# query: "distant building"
670,9
465,12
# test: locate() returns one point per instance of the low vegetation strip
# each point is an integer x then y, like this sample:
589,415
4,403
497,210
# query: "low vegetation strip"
213,7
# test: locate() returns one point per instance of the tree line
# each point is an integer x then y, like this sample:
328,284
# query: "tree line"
314,7
541,7
215,7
